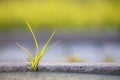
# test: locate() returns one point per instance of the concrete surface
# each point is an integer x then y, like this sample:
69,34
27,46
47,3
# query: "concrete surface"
100,68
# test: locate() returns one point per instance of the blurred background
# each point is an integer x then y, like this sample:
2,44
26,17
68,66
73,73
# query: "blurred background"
89,30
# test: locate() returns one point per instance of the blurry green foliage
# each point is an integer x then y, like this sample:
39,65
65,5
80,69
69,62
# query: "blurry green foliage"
73,58
110,56
64,14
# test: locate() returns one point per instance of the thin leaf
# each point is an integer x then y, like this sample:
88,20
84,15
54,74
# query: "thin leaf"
33,35
28,53
45,51
46,44
53,45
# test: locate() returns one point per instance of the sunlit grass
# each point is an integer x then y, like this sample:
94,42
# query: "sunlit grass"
34,61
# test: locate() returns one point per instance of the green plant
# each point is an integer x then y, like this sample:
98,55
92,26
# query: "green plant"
34,61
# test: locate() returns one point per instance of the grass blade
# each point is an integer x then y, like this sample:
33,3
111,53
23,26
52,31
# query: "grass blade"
28,53
33,35
41,55
53,45
46,44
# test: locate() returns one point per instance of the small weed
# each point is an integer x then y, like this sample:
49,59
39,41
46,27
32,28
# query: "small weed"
34,61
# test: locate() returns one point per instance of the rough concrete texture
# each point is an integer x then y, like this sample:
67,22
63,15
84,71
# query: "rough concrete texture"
100,68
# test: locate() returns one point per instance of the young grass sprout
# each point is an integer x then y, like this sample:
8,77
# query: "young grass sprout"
34,61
